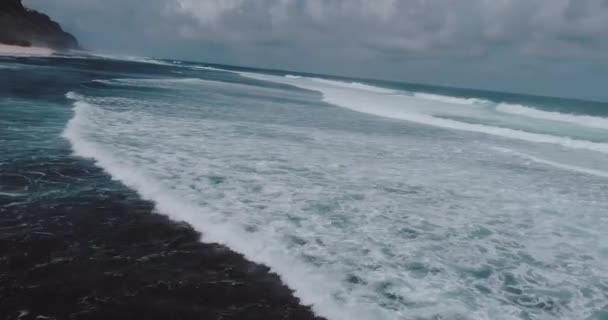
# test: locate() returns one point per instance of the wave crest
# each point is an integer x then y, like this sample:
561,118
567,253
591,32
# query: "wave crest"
581,120
374,100
448,99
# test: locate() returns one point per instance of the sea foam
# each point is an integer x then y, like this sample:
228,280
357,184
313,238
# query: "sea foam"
312,287
448,99
364,222
581,120
415,109
563,166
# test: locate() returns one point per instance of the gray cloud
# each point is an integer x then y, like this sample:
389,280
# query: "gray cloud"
405,39
413,26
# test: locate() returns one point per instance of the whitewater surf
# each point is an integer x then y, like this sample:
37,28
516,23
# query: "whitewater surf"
370,200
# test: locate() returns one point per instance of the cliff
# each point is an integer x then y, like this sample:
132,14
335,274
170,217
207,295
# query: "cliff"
24,27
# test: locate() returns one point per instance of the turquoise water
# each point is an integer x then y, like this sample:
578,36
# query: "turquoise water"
372,200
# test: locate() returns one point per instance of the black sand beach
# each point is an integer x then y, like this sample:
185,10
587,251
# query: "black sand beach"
96,251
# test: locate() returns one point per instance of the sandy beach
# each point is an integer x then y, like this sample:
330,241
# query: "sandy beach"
17,51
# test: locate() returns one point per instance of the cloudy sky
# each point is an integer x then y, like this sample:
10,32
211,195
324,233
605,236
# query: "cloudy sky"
551,47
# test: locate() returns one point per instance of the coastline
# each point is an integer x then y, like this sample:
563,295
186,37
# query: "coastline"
77,244
102,252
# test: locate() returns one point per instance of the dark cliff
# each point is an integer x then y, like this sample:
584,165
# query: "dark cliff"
24,27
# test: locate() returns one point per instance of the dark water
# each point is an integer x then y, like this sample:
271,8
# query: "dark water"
75,244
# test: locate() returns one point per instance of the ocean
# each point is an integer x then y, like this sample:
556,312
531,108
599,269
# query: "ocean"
369,199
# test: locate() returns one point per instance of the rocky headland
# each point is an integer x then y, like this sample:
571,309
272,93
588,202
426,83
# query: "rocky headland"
20,26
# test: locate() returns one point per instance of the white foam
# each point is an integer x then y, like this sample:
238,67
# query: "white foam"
581,120
563,166
179,84
448,99
156,82
210,69
312,287
132,59
74,96
363,225
414,109
352,85
11,194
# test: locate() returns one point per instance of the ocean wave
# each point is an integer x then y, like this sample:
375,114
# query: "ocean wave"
366,99
119,102
581,120
406,234
332,83
191,84
210,69
353,85
153,82
448,99
74,96
11,194
103,81
97,55
308,284
563,166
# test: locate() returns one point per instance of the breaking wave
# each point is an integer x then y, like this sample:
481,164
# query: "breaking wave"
448,99
419,108
361,224
581,120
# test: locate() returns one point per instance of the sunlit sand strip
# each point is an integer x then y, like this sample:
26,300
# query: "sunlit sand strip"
16,51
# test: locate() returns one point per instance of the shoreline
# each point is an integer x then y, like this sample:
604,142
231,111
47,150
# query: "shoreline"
103,252
77,244
17,51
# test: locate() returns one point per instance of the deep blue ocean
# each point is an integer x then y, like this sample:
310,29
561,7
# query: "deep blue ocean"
371,199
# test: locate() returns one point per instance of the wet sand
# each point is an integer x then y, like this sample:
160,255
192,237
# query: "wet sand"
76,245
